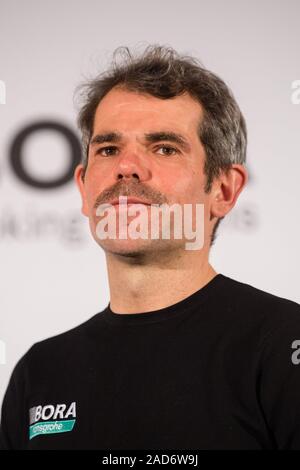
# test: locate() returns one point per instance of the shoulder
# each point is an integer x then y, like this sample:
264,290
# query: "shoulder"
249,293
251,304
61,349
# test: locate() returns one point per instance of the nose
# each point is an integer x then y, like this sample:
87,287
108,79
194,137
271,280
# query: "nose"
132,166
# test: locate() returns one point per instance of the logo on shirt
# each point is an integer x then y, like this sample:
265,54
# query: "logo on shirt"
51,419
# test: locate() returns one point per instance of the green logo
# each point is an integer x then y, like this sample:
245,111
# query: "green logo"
51,427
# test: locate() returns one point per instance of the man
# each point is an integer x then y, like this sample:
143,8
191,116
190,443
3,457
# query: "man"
182,357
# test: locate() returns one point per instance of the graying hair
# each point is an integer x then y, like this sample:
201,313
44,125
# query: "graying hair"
162,72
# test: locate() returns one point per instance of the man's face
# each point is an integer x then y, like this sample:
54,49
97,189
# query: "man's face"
159,171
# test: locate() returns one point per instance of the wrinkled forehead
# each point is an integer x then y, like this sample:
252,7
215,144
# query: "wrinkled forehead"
131,112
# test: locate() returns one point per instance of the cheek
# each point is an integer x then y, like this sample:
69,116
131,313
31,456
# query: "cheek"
186,187
94,185
89,199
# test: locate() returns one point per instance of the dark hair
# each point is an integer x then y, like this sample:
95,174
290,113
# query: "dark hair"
162,72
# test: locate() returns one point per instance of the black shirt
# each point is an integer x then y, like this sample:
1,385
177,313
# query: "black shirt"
217,370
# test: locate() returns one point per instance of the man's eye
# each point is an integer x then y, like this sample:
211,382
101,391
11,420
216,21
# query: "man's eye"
110,150
100,150
168,148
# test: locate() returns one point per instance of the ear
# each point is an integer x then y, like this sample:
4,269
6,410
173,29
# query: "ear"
226,190
78,174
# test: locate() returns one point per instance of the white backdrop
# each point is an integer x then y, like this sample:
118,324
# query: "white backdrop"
53,275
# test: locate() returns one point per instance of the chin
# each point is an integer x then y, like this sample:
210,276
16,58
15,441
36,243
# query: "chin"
140,249
127,247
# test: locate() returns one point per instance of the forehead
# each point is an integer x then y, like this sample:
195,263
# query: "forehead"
131,111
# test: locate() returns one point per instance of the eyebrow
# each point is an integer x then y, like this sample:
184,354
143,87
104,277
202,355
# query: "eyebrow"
151,137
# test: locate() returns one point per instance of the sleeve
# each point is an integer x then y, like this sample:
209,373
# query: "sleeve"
279,388
14,422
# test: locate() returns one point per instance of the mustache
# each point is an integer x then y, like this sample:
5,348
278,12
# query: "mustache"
137,190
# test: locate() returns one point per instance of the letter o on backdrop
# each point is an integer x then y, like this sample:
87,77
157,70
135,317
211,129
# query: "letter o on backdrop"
16,156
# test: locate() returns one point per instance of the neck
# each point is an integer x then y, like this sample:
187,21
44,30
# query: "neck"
139,285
